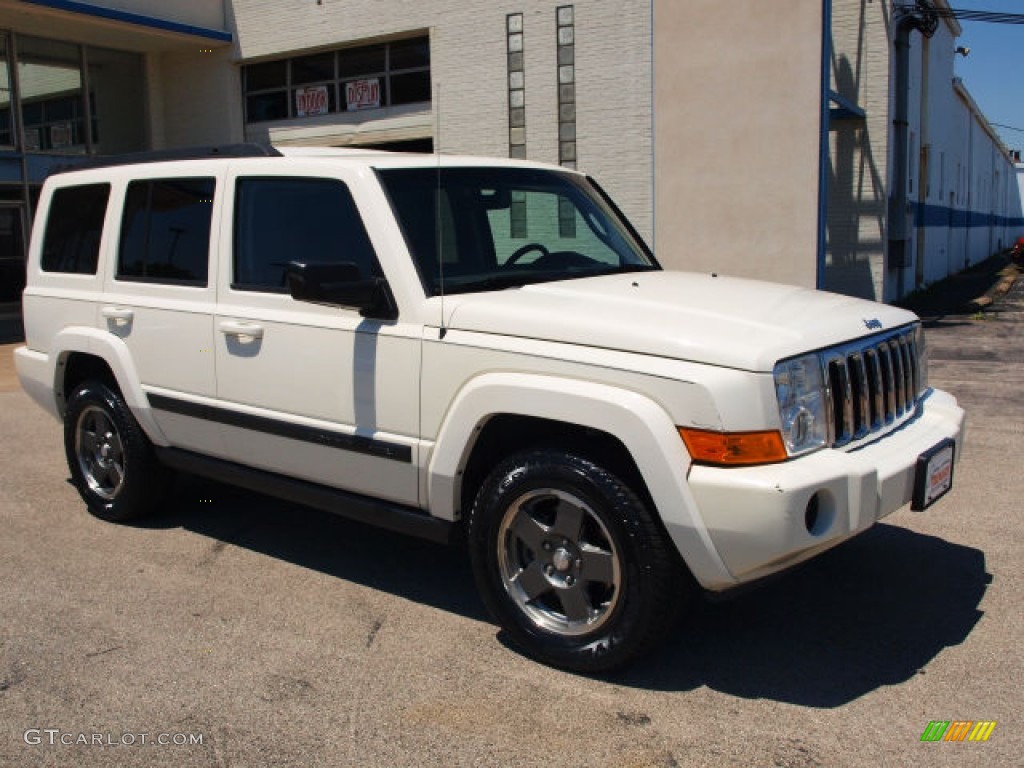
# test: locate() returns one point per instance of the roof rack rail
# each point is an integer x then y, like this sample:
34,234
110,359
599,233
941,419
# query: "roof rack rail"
251,149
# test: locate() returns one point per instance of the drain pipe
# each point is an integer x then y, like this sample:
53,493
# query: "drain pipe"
920,17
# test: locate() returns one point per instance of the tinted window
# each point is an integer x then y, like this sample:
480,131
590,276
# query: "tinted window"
74,225
280,220
165,233
410,88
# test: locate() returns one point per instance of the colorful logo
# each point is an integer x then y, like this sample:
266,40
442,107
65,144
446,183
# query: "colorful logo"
958,730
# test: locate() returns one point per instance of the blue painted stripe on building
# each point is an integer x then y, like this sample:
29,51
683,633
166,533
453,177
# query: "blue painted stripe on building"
943,216
133,18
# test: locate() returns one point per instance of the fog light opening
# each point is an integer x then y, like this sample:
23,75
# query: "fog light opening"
811,514
819,513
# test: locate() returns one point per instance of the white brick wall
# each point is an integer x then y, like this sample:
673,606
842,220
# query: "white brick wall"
468,59
859,151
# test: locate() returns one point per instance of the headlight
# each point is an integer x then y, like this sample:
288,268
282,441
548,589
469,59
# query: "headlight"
800,388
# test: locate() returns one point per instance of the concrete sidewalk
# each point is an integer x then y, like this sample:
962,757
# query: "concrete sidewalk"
8,378
12,334
966,293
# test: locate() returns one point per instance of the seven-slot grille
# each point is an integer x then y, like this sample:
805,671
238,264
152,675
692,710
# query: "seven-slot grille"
872,383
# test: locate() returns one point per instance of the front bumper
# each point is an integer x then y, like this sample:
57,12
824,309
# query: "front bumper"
759,518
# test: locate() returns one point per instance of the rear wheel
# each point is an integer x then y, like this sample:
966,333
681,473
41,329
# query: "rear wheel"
111,460
571,563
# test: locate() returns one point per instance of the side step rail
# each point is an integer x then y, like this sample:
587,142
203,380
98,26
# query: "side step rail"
394,517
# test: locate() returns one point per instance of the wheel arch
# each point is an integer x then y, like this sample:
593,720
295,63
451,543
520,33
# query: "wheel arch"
86,353
607,422
505,433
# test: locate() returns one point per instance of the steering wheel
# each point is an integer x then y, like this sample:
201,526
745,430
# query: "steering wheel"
520,252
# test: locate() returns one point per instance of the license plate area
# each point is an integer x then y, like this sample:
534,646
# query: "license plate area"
934,475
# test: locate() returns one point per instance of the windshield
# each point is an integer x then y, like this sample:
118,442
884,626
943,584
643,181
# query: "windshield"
479,229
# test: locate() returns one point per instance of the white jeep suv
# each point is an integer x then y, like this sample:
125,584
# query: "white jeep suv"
443,345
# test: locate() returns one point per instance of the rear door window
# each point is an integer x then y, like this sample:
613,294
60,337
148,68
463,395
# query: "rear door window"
165,231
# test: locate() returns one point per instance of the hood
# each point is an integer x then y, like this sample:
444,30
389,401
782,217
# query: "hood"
731,322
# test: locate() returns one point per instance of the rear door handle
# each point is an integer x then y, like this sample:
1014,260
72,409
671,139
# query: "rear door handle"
242,330
118,313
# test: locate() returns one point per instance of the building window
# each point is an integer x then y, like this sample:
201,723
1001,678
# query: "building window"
343,80
6,129
52,78
516,87
566,18
52,108
165,232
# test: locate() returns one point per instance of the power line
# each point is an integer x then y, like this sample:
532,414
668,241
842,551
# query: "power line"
990,17
986,16
1007,127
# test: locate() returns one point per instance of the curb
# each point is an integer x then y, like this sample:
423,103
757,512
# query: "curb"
1007,279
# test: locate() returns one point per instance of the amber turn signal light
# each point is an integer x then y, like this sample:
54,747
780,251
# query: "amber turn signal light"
733,449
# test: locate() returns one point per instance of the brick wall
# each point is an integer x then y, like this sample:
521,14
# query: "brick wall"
859,151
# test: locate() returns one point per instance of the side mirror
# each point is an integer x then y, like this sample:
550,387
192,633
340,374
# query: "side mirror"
341,284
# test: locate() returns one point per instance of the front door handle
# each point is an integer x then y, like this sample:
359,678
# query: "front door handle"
241,330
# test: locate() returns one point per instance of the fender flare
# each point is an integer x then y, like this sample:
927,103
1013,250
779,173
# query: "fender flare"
114,352
643,427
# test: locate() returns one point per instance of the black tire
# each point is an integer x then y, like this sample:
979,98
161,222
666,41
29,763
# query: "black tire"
111,460
572,564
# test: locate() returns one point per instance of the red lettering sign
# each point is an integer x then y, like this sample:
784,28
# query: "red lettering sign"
362,94
311,101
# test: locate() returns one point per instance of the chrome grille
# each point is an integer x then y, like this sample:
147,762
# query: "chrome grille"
872,384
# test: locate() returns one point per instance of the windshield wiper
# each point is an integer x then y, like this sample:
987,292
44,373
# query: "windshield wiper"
519,279
505,280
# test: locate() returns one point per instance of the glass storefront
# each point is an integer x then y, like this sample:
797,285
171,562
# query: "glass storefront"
58,100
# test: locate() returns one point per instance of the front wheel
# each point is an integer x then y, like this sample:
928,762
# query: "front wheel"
571,563
111,460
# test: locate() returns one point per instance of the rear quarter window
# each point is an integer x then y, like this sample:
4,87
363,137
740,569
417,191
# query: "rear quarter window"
74,226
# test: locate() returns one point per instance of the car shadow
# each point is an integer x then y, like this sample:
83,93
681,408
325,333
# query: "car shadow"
413,568
872,612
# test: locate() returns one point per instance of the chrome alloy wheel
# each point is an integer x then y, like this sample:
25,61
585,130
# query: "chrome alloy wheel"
558,562
100,452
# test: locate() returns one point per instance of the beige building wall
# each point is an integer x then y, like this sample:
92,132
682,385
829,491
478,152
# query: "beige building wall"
198,93
859,150
737,139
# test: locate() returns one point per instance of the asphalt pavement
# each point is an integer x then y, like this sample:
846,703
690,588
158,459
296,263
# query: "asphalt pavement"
234,630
